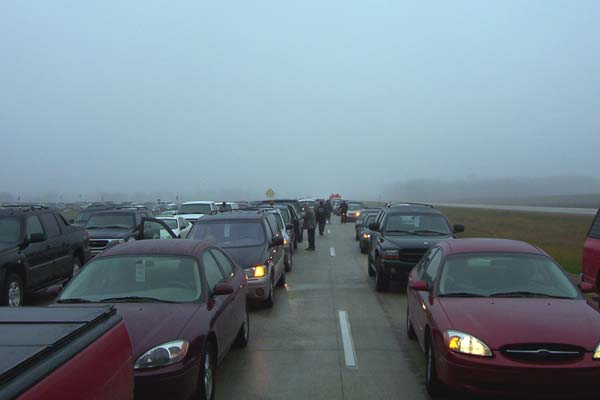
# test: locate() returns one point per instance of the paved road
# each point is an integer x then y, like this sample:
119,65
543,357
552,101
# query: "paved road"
547,210
296,349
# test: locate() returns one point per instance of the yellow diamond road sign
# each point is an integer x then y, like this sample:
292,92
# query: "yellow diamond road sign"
270,193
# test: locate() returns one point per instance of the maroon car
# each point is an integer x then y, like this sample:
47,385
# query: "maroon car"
501,317
591,255
184,305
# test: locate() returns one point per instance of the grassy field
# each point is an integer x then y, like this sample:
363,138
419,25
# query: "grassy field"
561,236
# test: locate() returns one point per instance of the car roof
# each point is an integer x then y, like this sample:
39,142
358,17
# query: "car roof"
242,214
199,202
489,245
412,208
118,211
181,247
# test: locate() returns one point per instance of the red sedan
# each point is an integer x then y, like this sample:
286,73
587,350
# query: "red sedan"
184,306
501,317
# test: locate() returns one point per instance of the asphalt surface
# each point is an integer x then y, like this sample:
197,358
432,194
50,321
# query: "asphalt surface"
301,349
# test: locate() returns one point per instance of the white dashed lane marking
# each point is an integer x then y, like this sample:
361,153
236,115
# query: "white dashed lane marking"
347,342
332,251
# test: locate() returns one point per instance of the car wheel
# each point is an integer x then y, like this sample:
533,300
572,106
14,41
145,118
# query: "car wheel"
289,262
432,383
241,340
356,236
281,281
381,281
370,269
76,266
270,301
410,331
14,291
206,383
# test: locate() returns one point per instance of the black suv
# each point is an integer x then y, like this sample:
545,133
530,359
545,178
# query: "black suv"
111,227
38,249
253,240
400,236
297,219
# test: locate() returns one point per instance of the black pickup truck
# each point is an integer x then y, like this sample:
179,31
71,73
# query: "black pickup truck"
38,249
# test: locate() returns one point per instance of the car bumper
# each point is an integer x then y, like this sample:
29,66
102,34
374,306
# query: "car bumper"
500,376
363,243
258,288
396,270
176,382
351,218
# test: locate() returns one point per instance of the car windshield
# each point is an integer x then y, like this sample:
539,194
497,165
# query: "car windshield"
10,230
369,219
229,233
171,222
504,275
116,220
195,209
135,278
84,216
418,224
355,206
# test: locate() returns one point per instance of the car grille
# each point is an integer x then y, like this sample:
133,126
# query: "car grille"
542,352
98,244
412,256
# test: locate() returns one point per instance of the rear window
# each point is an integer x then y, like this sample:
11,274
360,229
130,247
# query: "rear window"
195,209
595,229
230,233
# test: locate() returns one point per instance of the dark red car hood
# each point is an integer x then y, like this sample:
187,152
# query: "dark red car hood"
151,324
503,321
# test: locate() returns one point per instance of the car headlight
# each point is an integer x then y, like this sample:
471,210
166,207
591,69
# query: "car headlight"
256,272
358,213
163,355
366,235
461,342
597,353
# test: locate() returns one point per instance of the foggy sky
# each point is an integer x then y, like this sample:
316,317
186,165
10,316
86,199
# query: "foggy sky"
305,97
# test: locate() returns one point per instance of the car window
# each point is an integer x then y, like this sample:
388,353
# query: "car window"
212,271
229,233
433,266
34,226
595,228
280,223
226,265
50,225
10,229
421,265
272,224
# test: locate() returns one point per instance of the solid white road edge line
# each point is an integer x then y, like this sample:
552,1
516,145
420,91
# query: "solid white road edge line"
347,341
332,251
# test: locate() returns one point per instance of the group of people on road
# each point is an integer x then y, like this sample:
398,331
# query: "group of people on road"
317,216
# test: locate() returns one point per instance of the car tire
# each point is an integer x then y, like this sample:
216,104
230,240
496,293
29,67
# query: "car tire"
433,385
282,279
410,331
14,291
270,301
289,262
370,269
381,281
241,340
206,381
356,236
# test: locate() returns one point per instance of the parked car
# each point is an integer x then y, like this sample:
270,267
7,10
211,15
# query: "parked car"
364,241
359,223
400,235
38,249
184,305
227,205
59,353
591,255
308,202
284,231
83,217
354,210
192,210
109,228
287,213
254,242
500,317
179,225
168,213
298,218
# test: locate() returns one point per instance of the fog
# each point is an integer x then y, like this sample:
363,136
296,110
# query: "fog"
146,98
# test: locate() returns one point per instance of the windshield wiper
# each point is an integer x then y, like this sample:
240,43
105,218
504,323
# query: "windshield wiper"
527,294
419,231
114,227
461,294
133,299
398,231
74,300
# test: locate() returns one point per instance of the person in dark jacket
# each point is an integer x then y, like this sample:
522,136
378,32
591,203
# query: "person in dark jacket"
321,212
344,211
329,209
310,223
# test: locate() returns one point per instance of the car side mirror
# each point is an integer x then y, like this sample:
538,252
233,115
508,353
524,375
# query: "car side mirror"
419,286
374,226
222,289
458,228
53,290
586,287
289,226
37,238
277,241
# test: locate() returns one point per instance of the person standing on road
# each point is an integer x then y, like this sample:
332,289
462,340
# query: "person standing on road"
310,223
344,211
321,216
329,209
